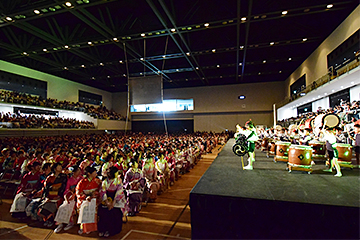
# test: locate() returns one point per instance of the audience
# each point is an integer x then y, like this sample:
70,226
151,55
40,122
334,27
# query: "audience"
99,112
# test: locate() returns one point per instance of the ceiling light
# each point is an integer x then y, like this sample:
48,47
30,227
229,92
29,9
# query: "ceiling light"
65,68
115,39
280,71
197,68
83,66
124,75
68,4
188,53
329,6
142,59
66,46
264,61
86,1
25,53
289,59
272,43
36,11
173,30
214,50
9,18
101,64
177,70
284,12
45,50
243,19
241,47
89,43
218,66
240,64
93,78
304,39
241,97
164,56
143,34
108,76
259,73
206,24
120,61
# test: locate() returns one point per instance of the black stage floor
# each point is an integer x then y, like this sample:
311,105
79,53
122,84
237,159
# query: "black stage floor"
269,202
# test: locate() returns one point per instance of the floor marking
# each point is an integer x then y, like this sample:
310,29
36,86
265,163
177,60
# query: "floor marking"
14,230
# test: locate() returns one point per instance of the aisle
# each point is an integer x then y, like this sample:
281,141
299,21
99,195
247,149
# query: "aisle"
169,215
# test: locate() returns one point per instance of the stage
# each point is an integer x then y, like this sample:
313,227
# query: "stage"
269,202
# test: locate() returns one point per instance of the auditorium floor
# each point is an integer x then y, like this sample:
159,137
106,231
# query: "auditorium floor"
168,217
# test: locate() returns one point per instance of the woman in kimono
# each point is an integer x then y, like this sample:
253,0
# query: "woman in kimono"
69,195
150,174
112,206
53,194
134,183
87,189
163,167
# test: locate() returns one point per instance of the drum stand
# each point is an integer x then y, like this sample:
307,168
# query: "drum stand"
304,168
242,162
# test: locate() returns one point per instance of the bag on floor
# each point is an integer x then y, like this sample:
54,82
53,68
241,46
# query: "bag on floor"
87,211
19,203
64,212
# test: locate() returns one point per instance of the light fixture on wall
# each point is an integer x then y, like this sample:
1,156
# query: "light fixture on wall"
242,97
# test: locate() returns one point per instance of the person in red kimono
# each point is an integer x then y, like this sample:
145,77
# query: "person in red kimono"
87,189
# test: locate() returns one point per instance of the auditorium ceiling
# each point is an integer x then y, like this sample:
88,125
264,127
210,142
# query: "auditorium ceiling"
192,43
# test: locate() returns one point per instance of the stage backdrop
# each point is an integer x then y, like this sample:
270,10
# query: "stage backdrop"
145,90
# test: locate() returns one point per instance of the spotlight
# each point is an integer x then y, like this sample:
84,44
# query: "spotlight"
68,4
25,53
243,19
66,46
329,6
120,61
83,66
272,43
214,50
206,24
9,19
197,68
304,39
45,50
284,12
36,11
289,59
218,66
173,30
241,97
188,53
90,43
101,64
115,39
65,68
143,34
264,61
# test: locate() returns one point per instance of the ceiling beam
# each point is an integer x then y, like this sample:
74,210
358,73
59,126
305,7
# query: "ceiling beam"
246,40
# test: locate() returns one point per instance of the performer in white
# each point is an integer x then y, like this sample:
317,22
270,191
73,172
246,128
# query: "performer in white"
251,137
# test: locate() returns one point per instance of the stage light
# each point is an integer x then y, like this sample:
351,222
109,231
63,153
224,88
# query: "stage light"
280,71
66,46
264,61
197,68
142,59
173,30
218,66
65,68
206,24
241,47
243,19
83,66
143,34
45,50
9,19
90,43
52,9
289,59
68,4
304,39
272,43
188,53
108,76
86,1
115,39
240,64
164,56
329,6
120,61
101,64
214,50
36,11
25,53
284,12
93,78
242,97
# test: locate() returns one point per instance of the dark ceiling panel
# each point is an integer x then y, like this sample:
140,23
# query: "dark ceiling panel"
171,35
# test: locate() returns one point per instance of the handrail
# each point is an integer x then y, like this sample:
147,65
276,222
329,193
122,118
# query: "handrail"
321,81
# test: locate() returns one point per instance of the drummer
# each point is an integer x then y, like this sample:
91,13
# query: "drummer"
307,137
283,137
251,137
329,137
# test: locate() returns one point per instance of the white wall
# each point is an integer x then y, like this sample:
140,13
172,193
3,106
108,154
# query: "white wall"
286,112
355,93
324,103
58,88
315,66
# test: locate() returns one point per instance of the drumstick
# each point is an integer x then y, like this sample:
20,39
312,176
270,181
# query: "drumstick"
298,127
